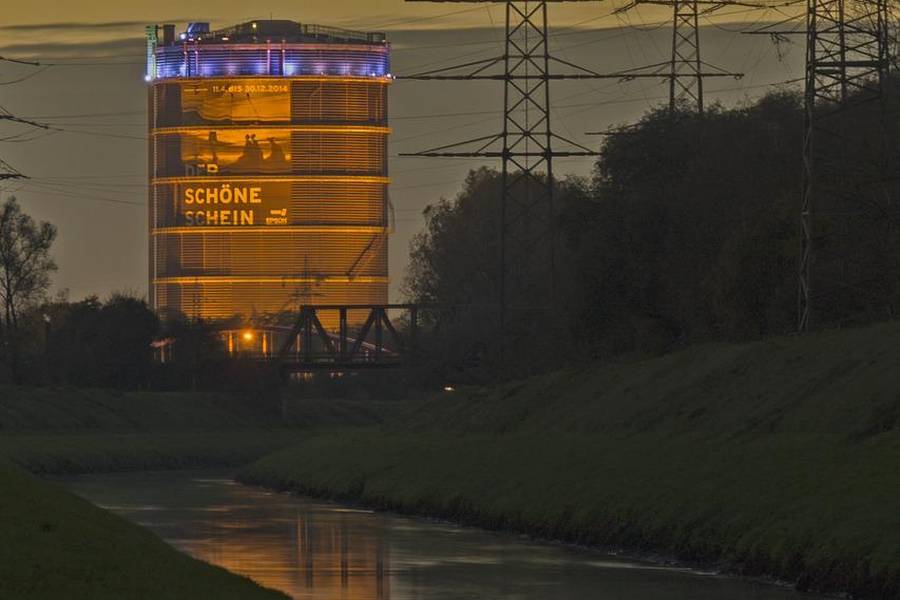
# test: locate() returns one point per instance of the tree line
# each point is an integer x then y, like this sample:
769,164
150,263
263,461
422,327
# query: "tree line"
688,230
92,343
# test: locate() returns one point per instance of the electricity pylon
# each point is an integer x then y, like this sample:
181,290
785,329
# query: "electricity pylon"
7,172
685,68
526,146
846,66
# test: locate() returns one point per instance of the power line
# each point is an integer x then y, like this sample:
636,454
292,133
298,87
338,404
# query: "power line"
846,66
53,190
7,171
5,115
25,77
20,61
89,115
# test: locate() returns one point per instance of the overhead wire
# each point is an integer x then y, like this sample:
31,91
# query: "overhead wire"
64,192
26,77
26,136
88,115
368,24
70,127
20,61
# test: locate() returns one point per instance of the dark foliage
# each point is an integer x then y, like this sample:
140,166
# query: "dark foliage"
25,267
689,231
115,344
90,343
454,270
197,360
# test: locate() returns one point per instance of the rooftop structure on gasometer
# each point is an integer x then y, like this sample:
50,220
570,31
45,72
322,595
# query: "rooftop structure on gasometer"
268,168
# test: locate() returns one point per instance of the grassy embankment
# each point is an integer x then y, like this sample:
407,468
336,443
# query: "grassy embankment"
65,430
76,431
56,545
777,458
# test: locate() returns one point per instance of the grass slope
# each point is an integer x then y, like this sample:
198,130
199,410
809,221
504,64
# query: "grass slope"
66,410
56,545
67,430
63,430
70,409
780,457
116,452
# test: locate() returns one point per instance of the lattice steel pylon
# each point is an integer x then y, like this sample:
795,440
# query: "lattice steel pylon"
527,150
685,68
526,146
7,172
846,65
685,71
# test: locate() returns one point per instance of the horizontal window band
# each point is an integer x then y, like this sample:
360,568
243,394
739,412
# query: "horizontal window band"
212,279
273,178
376,129
256,123
258,229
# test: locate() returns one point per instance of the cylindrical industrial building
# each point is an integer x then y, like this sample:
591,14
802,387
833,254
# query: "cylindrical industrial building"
268,168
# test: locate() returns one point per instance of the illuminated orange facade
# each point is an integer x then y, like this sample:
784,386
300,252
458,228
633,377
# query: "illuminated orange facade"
268,167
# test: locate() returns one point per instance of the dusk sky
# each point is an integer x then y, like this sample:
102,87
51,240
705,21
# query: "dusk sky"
90,178
377,14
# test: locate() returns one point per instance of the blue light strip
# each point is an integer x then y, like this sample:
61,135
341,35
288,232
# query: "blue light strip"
192,60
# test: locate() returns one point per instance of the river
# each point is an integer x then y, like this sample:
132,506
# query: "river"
314,550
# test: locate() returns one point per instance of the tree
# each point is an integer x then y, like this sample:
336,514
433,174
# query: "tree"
453,265
454,271
25,267
688,232
198,356
127,328
691,233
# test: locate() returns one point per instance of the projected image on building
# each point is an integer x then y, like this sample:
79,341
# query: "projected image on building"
268,166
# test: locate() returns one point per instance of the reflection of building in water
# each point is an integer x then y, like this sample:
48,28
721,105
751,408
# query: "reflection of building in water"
268,167
324,562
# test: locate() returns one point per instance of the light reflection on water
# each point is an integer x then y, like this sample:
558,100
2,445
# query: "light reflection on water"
319,551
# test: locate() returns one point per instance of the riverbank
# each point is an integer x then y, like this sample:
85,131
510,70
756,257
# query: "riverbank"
56,545
78,453
778,458
325,550
73,431
74,410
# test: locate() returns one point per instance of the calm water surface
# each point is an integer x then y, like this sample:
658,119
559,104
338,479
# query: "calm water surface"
322,551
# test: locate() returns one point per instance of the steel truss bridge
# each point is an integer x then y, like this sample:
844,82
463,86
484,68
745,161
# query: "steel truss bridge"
387,338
